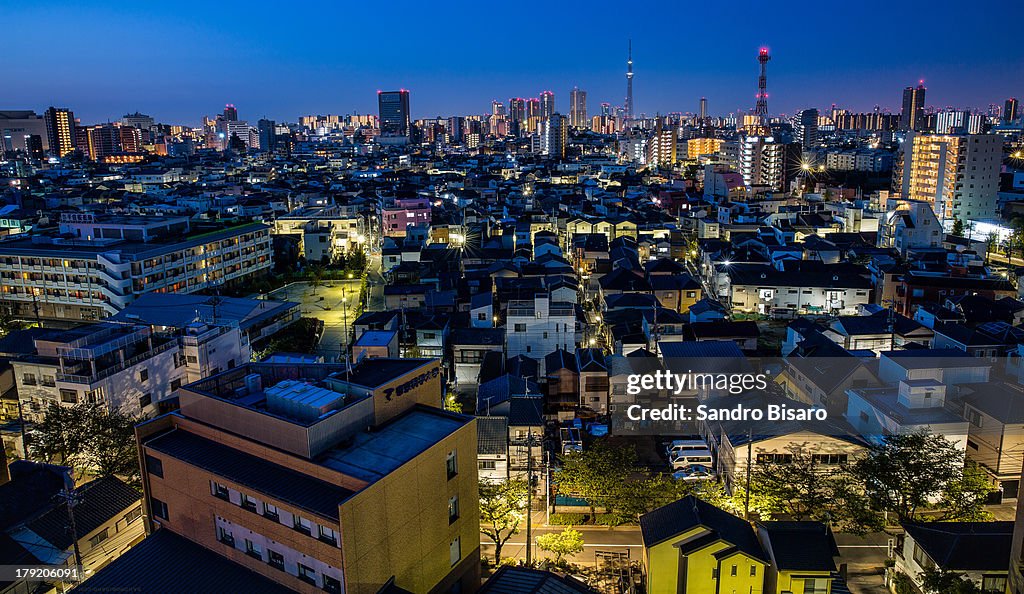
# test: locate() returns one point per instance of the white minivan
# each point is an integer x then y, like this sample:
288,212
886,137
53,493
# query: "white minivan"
679,446
688,458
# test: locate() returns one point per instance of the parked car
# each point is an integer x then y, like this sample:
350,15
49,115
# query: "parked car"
694,473
692,458
677,447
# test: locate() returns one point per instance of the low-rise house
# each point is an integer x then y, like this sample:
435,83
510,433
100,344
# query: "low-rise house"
692,547
469,346
995,431
804,288
881,331
492,448
594,383
801,557
915,405
975,550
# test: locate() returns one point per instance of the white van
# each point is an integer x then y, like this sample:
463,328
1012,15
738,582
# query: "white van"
692,458
679,446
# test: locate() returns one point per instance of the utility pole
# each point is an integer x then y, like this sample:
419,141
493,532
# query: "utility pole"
529,496
750,463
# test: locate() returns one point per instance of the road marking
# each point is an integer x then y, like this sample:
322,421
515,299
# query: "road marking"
880,546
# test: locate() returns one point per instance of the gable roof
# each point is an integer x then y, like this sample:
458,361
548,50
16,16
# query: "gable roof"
801,546
690,512
974,546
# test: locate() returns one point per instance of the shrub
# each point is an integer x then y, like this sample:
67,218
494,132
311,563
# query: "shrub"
568,519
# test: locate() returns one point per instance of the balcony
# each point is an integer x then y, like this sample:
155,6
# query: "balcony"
227,539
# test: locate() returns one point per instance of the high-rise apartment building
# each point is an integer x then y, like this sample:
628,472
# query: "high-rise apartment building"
547,105
138,120
957,175
555,136
696,147
60,130
517,109
318,477
661,146
578,108
763,162
393,107
805,127
22,130
912,115
497,108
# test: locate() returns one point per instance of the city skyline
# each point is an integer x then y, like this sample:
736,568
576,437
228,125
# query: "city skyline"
202,63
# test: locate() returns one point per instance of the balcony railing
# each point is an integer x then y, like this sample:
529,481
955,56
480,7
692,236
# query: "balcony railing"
105,373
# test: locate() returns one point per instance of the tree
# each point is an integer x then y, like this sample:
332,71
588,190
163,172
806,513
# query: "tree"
941,581
805,489
502,509
958,227
904,471
316,277
598,474
963,499
88,438
568,542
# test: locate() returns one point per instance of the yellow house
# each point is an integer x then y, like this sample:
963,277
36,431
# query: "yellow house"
692,547
802,556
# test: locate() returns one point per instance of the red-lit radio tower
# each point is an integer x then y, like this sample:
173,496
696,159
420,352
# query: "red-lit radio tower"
761,111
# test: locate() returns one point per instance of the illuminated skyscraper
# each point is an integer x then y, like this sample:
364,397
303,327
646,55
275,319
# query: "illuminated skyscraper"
703,109
1010,110
60,130
393,108
578,108
547,104
517,109
230,113
912,116
497,108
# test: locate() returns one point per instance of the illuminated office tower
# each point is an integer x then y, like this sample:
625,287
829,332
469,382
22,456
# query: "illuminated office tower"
230,113
703,109
532,115
957,175
393,108
578,108
547,104
456,129
1010,110
606,110
912,116
60,130
555,136
497,108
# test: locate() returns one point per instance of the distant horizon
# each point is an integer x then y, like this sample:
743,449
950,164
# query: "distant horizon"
180,62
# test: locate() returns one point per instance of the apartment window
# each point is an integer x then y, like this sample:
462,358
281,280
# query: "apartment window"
224,535
98,538
455,551
733,570
154,466
775,458
481,316
753,570
133,515
451,465
271,511
49,381
175,384
993,584
303,525
515,328
829,459
921,558
816,585
327,535
453,509
248,503
275,559
714,573
145,400
69,396
159,508
486,465
253,550
331,585
144,375
29,379
307,574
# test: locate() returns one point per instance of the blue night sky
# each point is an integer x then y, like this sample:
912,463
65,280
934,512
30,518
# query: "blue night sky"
178,61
